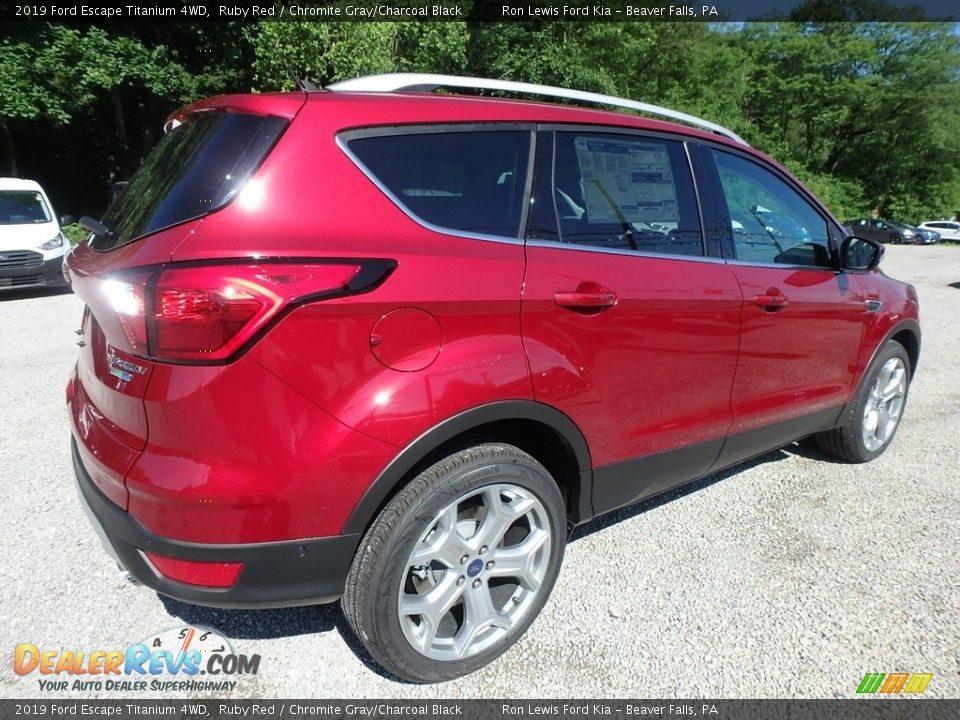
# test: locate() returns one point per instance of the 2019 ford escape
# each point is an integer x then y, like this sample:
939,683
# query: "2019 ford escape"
390,346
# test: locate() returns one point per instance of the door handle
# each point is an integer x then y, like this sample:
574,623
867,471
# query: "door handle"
586,300
772,300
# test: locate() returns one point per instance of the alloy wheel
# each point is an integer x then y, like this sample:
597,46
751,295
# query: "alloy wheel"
884,404
475,572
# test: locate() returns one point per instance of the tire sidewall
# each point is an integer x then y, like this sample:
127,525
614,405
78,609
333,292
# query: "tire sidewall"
515,468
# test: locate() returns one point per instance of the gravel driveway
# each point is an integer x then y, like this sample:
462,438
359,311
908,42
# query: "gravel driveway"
790,576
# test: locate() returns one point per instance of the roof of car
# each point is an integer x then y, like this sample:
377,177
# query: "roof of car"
370,108
430,82
7,183
350,108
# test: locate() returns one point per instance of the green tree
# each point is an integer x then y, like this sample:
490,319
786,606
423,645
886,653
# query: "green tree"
325,52
598,57
27,96
867,103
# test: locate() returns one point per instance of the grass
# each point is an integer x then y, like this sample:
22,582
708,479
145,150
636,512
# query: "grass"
75,233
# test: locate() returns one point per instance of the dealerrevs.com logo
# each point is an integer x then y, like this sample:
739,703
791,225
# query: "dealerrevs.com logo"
177,659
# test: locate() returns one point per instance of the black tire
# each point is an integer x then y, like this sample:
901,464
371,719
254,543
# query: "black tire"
381,573
896,240
846,442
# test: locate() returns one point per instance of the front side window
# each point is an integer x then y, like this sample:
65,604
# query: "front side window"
625,192
770,221
467,181
22,207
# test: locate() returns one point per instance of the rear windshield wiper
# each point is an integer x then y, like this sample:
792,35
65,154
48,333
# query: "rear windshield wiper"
96,227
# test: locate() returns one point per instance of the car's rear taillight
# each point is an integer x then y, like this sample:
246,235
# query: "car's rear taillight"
205,313
208,312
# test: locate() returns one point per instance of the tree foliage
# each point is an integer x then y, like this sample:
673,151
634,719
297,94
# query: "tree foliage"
864,112
326,52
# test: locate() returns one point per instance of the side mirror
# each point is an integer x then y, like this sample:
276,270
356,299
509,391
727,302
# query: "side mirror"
858,253
67,220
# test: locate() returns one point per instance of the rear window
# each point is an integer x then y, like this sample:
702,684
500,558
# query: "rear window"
22,207
464,181
196,169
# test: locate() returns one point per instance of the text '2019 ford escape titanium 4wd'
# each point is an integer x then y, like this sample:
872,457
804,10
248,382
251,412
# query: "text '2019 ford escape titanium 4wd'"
390,346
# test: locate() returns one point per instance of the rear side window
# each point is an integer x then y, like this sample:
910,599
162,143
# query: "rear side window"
625,192
195,169
470,181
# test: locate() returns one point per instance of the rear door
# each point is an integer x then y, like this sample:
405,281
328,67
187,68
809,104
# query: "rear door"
802,319
629,327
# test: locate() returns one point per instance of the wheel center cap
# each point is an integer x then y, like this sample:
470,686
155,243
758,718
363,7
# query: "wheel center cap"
474,568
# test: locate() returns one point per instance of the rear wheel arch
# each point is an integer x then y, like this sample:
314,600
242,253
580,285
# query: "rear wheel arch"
542,431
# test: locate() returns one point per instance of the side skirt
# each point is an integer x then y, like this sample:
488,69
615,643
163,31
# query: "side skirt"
630,481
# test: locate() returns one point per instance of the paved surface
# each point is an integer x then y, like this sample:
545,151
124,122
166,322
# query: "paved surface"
791,576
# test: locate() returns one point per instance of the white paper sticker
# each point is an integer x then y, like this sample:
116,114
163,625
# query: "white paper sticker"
626,181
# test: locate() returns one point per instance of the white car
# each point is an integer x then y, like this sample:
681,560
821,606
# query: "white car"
32,245
948,229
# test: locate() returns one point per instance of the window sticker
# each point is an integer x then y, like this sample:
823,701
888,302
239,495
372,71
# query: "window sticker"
626,181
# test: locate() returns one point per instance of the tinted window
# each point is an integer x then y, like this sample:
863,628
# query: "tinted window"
195,169
625,192
467,181
20,207
770,221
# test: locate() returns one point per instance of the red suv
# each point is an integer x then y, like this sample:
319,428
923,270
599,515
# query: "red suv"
382,345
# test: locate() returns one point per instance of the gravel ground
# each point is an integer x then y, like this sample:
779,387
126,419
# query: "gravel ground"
790,576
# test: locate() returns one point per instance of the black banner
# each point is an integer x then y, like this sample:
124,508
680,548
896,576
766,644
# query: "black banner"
852,709
92,11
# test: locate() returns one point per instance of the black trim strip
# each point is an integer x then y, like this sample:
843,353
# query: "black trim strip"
743,446
624,483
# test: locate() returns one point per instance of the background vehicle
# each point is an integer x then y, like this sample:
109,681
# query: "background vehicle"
31,243
927,236
506,320
948,229
884,231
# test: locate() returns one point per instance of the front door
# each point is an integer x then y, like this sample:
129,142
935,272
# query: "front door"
802,319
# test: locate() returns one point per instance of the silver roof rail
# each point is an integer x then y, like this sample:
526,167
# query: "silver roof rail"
426,82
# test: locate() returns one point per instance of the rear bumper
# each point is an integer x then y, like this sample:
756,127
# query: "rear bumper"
278,574
33,275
